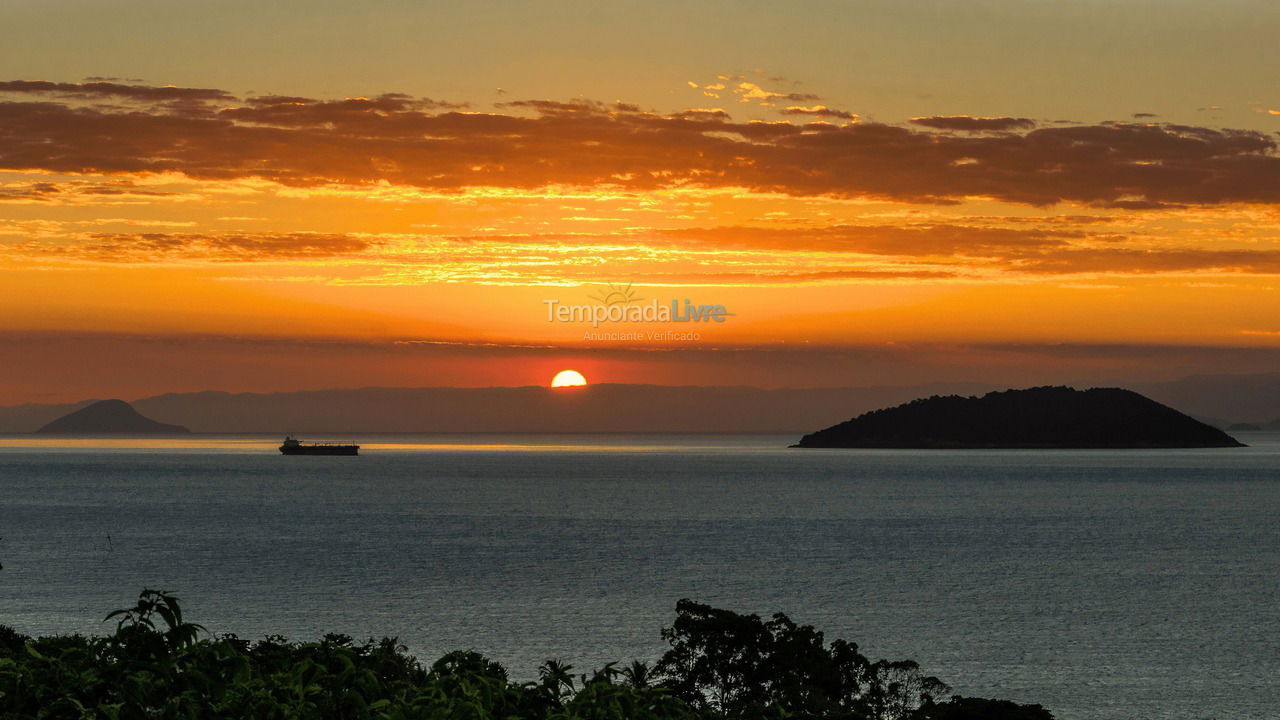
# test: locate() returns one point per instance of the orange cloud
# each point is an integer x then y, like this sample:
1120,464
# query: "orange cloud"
77,191
1135,260
402,141
821,111
102,88
930,240
693,255
238,247
969,123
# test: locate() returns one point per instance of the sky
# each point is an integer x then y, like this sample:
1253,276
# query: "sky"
251,196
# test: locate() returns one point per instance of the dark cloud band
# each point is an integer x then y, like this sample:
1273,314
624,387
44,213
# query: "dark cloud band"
206,134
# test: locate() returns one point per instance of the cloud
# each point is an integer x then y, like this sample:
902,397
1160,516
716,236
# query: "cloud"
1018,250
574,107
748,91
702,114
397,140
821,111
932,240
231,247
28,192
788,277
727,255
968,123
1136,260
79,192
101,88
300,112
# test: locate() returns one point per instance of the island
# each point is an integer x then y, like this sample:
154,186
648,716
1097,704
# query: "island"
1040,417
109,417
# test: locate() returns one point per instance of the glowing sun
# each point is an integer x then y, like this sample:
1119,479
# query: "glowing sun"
568,378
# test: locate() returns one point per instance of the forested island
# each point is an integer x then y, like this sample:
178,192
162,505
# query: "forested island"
1041,417
720,665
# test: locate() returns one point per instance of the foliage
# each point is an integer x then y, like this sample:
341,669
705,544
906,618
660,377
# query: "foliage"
959,708
156,665
738,666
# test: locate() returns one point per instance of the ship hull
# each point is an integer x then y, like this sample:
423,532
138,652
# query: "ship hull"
321,450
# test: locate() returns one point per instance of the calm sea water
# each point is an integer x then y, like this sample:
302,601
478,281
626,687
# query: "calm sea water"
1102,584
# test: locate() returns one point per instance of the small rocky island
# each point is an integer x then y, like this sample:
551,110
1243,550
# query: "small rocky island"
109,416
1042,417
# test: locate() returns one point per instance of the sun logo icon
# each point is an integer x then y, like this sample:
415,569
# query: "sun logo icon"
616,294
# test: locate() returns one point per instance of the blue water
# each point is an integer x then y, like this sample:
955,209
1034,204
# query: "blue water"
1102,584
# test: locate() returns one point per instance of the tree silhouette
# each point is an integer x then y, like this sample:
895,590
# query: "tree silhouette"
739,666
721,666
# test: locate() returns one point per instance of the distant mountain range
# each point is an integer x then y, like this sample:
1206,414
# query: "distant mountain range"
1219,400
596,408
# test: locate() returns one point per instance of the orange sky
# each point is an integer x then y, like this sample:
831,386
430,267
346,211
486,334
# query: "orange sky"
137,214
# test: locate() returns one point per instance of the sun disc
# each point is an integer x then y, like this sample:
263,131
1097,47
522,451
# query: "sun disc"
568,378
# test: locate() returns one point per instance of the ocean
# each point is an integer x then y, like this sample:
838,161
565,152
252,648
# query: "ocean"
1101,584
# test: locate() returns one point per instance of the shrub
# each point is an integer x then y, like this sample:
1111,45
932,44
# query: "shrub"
721,665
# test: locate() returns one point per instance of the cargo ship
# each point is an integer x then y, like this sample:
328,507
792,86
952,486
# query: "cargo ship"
292,446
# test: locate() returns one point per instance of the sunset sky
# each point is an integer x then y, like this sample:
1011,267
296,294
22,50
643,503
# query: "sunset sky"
289,195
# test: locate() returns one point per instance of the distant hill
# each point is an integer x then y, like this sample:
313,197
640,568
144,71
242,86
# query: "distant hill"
27,417
109,416
1043,417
